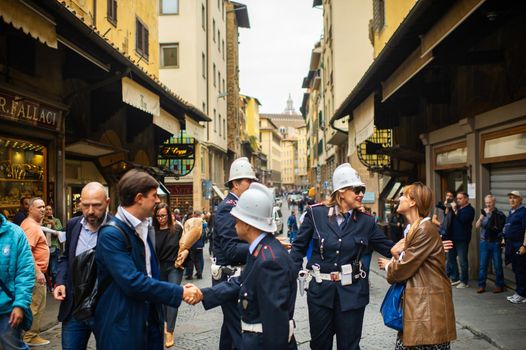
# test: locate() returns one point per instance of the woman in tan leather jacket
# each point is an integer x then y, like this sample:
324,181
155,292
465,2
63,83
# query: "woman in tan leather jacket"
419,260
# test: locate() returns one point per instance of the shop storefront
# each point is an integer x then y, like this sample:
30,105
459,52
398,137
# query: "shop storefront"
30,138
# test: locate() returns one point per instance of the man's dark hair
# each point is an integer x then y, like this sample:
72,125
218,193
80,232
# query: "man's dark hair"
133,183
465,194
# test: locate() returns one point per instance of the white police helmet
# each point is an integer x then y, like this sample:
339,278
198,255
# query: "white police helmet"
254,207
345,176
241,169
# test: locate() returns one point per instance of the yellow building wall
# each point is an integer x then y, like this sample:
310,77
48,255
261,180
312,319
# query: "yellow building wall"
395,13
123,35
252,117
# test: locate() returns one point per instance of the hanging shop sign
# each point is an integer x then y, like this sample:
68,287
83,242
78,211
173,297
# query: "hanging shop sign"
22,109
177,154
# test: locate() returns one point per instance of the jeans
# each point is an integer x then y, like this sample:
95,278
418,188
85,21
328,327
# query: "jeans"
170,274
75,334
10,338
460,249
292,236
490,250
518,265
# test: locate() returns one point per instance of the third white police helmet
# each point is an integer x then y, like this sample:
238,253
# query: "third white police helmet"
254,207
241,169
345,176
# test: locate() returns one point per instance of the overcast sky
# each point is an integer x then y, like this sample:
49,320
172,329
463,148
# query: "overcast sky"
274,52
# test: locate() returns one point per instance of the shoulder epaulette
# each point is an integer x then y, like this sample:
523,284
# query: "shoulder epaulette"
265,252
231,202
317,204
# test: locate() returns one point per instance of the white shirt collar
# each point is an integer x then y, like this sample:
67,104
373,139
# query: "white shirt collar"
255,243
233,194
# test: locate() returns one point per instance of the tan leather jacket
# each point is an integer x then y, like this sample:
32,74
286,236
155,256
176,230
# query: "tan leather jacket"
429,316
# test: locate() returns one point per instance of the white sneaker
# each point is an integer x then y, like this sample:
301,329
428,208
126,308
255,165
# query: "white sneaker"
512,296
454,283
462,285
518,300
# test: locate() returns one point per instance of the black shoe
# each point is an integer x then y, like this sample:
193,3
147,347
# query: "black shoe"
189,277
199,277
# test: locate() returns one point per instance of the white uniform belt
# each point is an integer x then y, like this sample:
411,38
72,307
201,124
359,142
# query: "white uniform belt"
333,276
258,328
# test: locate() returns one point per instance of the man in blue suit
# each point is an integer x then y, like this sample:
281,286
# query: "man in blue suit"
230,253
129,311
81,235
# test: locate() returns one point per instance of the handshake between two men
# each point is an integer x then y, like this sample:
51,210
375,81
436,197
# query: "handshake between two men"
191,294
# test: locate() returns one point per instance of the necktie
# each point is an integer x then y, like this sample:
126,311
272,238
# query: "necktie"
345,220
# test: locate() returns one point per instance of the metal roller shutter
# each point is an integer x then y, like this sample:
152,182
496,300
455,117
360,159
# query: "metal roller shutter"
505,178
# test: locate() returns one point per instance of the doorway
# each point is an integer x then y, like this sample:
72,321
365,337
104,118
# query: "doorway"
454,180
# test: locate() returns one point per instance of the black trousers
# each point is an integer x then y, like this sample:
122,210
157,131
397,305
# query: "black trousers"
231,327
326,322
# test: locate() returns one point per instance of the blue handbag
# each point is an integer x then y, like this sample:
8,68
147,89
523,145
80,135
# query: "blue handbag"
392,308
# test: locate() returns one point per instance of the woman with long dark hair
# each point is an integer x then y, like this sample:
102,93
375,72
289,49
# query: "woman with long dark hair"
167,236
428,314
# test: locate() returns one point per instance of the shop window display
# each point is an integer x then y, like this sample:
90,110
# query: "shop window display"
22,173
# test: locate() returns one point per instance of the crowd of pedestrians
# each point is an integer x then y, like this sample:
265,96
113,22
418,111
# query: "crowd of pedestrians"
133,264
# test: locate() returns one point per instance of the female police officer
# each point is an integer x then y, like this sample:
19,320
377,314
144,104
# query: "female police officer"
338,233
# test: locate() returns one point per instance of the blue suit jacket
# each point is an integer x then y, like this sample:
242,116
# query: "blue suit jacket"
124,312
65,265
228,248
339,247
265,293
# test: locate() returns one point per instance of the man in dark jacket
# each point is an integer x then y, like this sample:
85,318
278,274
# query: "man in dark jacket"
265,293
22,211
230,253
461,225
81,235
129,311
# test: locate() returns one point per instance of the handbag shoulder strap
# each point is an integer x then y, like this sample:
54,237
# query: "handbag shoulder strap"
7,291
126,238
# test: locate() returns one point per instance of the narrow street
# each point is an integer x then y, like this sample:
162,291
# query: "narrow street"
197,329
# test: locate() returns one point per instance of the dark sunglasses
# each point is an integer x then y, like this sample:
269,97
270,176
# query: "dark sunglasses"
358,189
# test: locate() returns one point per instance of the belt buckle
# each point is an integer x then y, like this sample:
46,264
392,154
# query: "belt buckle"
335,276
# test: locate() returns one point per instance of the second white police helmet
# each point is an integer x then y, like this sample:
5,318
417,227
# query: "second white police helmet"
254,207
345,176
241,169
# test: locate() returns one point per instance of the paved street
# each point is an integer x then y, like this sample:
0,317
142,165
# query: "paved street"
197,329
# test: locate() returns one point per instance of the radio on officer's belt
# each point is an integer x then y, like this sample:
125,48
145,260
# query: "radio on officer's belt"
346,277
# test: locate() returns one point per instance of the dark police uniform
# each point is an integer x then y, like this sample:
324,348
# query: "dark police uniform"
265,295
228,250
335,308
514,236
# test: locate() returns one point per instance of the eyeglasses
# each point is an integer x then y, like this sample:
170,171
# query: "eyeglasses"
161,216
358,189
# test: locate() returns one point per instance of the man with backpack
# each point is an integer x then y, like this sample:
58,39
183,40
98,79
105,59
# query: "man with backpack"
129,312
81,236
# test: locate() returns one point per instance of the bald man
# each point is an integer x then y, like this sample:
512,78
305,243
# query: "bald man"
81,236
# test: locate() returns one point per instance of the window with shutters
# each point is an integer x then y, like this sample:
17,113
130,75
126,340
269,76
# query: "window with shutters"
141,42
378,15
112,12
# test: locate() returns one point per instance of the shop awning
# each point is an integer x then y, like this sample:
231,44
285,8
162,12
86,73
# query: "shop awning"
162,190
140,97
338,138
167,122
364,119
31,20
218,192
195,129
90,148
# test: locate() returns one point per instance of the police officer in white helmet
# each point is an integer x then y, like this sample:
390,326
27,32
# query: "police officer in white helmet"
338,233
266,290
230,253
